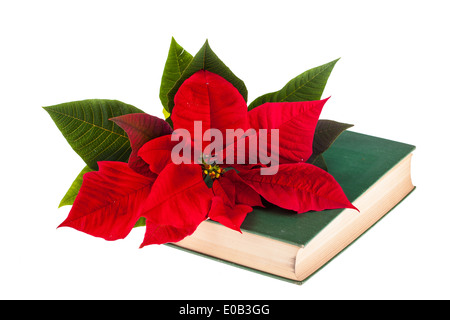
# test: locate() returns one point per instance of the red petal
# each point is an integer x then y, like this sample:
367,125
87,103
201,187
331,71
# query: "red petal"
244,194
232,201
141,128
157,153
160,234
243,151
225,189
231,217
300,187
209,98
107,205
296,122
179,197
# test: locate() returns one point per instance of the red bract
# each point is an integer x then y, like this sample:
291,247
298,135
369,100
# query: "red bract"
176,198
108,204
141,128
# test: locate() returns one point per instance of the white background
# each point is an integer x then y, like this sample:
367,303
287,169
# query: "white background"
392,81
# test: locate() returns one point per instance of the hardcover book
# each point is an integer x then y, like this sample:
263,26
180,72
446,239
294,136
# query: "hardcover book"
375,174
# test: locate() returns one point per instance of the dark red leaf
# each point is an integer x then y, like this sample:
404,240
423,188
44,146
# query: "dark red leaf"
327,131
141,128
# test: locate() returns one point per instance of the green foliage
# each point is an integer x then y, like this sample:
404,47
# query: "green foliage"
307,86
85,125
140,223
327,131
71,194
177,61
206,59
319,161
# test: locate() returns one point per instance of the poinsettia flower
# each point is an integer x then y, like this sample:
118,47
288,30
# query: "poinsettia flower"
209,99
175,198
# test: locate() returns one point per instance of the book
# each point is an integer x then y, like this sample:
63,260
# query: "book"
375,174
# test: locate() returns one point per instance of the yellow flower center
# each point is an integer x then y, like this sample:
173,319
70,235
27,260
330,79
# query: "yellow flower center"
211,169
214,171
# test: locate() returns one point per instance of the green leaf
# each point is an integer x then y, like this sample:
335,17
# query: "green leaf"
140,223
230,168
319,161
208,181
169,121
165,113
206,59
327,131
307,86
72,193
91,135
177,61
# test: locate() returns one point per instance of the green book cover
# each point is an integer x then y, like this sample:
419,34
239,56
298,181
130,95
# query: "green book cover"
357,161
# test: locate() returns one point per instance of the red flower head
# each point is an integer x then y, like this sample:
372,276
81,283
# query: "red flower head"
176,197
